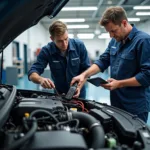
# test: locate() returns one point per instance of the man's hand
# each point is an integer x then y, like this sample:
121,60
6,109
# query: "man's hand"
79,79
46,83
77,93
112,85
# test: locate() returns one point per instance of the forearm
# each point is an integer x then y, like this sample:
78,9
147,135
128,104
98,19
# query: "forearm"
36,78
82,83
128,82
91,71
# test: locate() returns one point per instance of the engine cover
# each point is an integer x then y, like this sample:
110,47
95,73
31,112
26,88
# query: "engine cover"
27,105
56,140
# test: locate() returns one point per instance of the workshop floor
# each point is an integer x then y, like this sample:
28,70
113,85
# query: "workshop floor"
93,93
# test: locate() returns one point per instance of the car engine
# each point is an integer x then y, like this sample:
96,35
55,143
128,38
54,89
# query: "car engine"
37,120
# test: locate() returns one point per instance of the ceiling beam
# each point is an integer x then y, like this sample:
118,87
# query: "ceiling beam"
121,2
95,12
143,3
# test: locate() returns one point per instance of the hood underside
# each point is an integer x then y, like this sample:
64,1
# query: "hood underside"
18,15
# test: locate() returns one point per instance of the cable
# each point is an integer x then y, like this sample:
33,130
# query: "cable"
43,111
27,136
70,122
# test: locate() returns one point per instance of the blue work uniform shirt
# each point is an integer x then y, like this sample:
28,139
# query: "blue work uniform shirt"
63,69
126,60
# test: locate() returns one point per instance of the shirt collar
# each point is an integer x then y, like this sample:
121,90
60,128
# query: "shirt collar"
133,32
70,47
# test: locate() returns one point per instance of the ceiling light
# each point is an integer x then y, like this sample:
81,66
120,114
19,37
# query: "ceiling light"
97,31
104,36
79,8
143,13
73,20
86,36
141,7
77,26
71,35
109,2
133,19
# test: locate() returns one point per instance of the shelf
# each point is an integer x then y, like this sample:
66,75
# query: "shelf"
19,65
20,75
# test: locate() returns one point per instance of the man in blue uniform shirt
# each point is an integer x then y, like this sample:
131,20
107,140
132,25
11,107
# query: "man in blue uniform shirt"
128,55
66,57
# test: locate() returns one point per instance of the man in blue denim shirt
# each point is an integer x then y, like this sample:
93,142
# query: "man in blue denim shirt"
128,55
66,57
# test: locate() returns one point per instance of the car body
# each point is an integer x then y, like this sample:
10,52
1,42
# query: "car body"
38,120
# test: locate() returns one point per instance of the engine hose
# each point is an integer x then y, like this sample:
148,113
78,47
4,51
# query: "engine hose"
27,136
95,128
43,111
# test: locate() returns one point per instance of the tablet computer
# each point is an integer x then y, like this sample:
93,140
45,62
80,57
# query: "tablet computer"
97,81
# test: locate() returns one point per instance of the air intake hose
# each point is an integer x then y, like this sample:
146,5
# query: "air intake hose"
94,126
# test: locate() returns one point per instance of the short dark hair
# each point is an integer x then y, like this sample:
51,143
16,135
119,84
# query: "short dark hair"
113,14
57,28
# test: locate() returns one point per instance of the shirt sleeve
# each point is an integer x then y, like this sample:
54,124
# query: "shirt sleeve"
84,59
104,60
40,63
143,56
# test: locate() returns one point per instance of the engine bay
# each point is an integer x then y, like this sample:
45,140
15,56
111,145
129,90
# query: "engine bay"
37,120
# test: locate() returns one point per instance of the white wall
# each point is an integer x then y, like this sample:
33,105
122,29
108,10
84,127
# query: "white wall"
144,27
34,38
94,45
8,56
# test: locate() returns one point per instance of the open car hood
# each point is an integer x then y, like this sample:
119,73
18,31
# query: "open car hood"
38,120
18,15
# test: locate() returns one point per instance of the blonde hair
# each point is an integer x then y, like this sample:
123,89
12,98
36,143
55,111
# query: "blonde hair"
57,28
113,14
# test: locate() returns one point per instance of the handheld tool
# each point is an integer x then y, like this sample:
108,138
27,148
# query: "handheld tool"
56,92
71,91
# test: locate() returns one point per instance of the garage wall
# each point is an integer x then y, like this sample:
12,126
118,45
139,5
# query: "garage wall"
144,27
38,36
34,37
95,45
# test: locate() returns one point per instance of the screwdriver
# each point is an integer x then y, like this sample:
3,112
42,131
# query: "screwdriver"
56,92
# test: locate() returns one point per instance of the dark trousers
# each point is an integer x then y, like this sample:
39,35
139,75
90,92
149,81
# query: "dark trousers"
143,116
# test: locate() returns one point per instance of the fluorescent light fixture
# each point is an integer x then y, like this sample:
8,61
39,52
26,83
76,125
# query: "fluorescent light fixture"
79,8
97,31
77,26
109,2
143,13
71,35
133,19
141,7
104,36
85,36
73,20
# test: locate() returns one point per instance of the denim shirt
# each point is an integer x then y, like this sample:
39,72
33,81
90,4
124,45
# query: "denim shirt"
131,59
63,69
